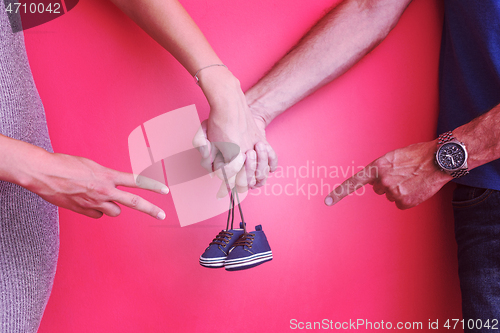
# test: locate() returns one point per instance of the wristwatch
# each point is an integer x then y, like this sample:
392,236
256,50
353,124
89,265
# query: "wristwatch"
451,155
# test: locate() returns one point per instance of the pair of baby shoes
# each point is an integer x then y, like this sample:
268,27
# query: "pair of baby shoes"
236,249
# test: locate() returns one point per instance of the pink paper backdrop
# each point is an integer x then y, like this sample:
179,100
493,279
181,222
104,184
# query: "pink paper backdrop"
100,77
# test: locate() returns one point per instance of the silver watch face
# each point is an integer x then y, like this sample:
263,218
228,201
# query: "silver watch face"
451,156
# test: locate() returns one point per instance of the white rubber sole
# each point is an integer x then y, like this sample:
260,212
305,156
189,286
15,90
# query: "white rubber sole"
213,262
249,261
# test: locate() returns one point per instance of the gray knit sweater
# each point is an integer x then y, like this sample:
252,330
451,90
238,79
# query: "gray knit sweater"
29,233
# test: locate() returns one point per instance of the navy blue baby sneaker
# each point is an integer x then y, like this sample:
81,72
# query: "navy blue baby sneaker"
216,252
250,250
236,249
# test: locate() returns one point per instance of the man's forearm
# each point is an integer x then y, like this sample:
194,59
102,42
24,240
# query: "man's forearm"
481,137
334,44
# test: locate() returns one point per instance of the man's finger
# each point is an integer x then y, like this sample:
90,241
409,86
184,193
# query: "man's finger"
390,197
136,202
378,188
273,158
250,167
350,185
262,164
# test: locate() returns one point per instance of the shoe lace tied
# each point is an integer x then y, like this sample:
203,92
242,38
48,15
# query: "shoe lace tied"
233,195
245,240
222,238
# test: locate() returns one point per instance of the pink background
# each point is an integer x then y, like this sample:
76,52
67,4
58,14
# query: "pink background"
100,77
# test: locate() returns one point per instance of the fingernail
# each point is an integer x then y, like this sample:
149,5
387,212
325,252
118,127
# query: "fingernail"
165,190
161,215
252,154
328,201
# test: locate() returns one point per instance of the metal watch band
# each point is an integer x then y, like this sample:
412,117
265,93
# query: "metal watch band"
447,137
459,173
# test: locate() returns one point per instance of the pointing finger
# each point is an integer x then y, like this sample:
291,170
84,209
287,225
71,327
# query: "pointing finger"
350,185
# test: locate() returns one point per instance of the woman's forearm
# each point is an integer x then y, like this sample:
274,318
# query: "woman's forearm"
167,22
170,25
17,160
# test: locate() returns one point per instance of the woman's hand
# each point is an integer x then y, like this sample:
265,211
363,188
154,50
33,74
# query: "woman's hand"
85,187
72,182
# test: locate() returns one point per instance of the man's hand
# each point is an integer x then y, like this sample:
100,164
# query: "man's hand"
85,187
407,176
231,121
